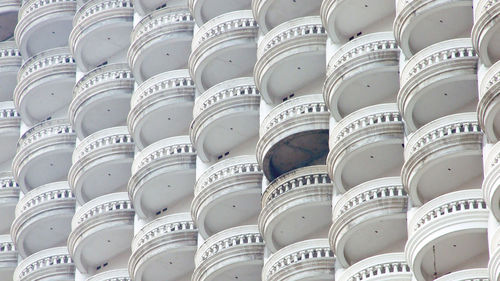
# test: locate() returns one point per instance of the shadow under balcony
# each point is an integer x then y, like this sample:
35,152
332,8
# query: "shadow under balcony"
10,62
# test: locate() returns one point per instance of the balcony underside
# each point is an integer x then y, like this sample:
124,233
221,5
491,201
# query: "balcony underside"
204,10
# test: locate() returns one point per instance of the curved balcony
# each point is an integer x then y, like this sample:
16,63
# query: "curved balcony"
45,83
44,25
305,260
271,13
225,116
10,123
491,183
205,10
361,73
293,52
10,62
224,48
235,253
293,207
49,264
231,189
365,145
9,195
111,275
438,81
488,108
101,164
101,99
373,211
443,156
446,234
164,249
162,174
494,263
8,18
161,107
421,23
101,29
8,257
346,19
43,218
385,267
101,230
44,154
299,122
478,274
486,30
161,42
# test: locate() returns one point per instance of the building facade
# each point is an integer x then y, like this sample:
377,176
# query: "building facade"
273,140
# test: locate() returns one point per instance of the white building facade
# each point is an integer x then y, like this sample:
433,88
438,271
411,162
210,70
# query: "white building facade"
273,140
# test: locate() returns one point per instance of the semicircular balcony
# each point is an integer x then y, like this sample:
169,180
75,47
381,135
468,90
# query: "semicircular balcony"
205,10
443,156
448,234
486,31
224,117
346,19
391,266
10,123
491,183
488,108
163,174
365,145
165,98
8,257
164,249
475,274
101,30
293,52
43,218
9,196
44,87
44,154
10,62
305,260
161,107
9,10
361,73
293,207
161,42
45,265
44,25
440,80
224,48
231,189
101,230
372,214
101,99
299,122
234,253
271,13
101,164
494,248
422,23
111,275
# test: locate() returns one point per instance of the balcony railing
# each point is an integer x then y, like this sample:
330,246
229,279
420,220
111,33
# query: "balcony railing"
111,275
377,54
455,218
157,240
8,252
235,102
312,257
460,134
453,60
238,179
9,195
384,267
53,263
485,30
